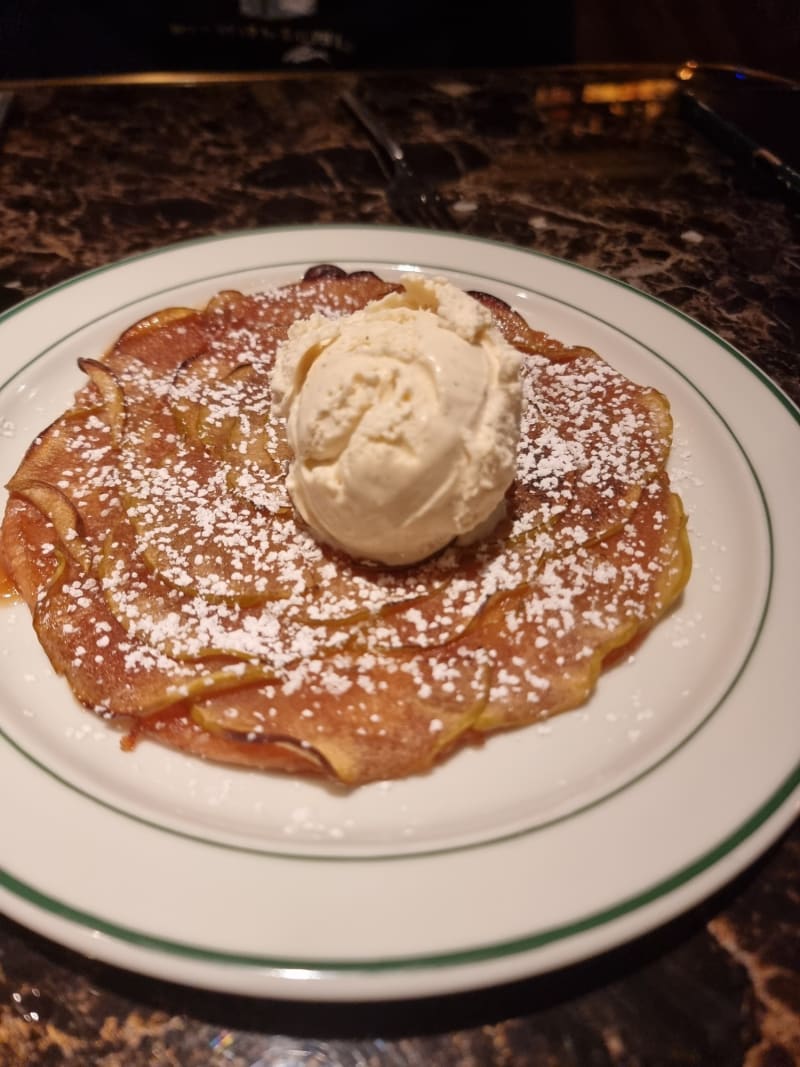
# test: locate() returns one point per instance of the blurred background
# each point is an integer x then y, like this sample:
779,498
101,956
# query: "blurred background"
48,38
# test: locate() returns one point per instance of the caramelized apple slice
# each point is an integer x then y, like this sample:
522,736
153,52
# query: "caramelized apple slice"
109,671
548,642
184,625
228,412
29,550
111,396
62,514
176,729
338,709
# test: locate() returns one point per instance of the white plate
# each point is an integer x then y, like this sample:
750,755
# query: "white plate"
544,847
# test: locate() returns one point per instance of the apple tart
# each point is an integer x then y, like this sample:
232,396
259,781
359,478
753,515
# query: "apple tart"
171,582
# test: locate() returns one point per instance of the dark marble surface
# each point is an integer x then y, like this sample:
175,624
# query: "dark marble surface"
91,174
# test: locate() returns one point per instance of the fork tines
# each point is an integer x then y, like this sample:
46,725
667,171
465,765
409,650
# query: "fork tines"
413,199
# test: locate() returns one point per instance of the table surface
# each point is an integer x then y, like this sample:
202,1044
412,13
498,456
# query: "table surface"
595,166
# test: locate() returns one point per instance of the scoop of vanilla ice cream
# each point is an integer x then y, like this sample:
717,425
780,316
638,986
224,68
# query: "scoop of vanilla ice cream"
403,419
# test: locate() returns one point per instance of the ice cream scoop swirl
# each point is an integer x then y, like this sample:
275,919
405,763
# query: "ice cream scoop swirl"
403,419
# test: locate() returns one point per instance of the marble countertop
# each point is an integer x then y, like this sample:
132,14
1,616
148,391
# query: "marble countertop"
593,166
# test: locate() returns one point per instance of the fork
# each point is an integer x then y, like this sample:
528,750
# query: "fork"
412,199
